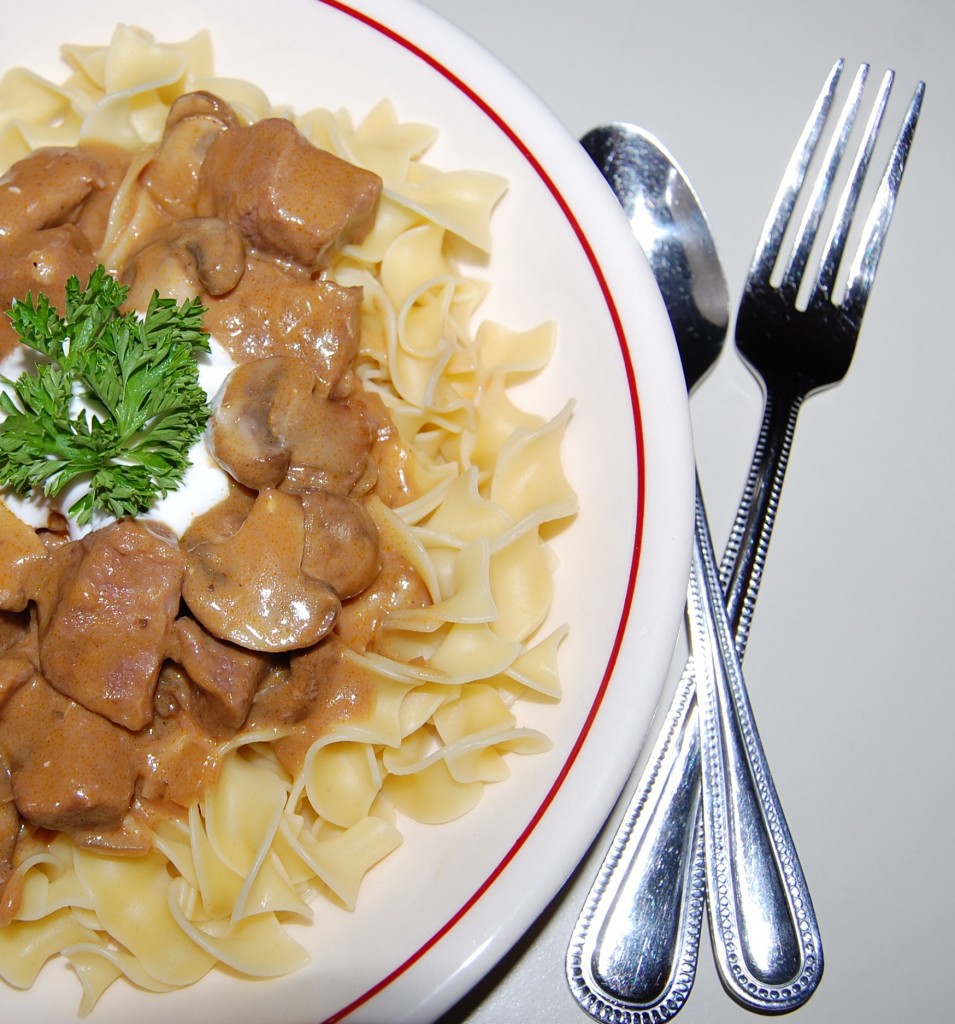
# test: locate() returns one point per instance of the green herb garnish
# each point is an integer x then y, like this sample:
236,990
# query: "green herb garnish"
138,379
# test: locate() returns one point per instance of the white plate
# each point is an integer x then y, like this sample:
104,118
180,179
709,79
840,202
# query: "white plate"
436,915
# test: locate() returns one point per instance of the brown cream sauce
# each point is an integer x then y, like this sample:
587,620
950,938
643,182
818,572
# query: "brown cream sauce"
127,658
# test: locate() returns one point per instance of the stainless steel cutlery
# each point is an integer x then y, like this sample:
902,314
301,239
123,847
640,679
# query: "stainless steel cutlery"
797,331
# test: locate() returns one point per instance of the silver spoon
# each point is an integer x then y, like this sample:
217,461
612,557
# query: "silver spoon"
634,951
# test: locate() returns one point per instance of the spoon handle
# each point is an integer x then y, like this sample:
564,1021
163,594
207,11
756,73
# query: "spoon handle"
634,950
765,936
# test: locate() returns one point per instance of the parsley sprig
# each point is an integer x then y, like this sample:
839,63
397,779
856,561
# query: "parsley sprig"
138,380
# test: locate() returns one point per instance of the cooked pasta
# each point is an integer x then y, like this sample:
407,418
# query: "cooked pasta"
262,844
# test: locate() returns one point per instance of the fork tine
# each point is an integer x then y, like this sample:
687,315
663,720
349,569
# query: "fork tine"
836,242
866,261
806,236
767,251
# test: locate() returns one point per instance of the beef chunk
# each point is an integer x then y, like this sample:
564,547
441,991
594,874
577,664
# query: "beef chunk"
18,665
40,261
71,770
274,311
54,206
105,616
225,674
46,189
287,197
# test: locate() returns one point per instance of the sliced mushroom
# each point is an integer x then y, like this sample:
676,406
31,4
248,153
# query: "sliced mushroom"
272,426
172,176
201,104
248,430
250,588
199,256
341,542
332,448
221,521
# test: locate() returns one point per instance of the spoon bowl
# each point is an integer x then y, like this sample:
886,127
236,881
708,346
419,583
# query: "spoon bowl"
669,223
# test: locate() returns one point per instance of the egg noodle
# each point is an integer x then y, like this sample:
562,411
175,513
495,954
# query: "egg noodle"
260,847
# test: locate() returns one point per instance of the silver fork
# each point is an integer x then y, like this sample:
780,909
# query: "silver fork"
765,936
795,352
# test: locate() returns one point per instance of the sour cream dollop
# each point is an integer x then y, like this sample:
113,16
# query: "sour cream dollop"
204,485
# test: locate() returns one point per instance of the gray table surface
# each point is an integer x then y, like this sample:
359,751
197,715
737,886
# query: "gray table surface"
849,662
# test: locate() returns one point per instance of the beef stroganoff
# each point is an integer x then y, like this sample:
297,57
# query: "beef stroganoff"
250,694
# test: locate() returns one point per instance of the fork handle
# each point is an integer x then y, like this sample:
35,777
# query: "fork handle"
744,557
765,936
